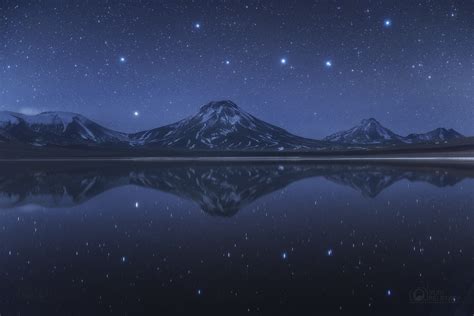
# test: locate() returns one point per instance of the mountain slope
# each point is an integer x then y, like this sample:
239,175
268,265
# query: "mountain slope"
371,132
438,135
56,128
368,132
223,126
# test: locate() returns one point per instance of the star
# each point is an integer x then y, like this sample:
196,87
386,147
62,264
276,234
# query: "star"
136,113
389,292
227,62
123,259
328,63
197,25
199,292
387,22
137,205
122,59
283,61
284,255
329,252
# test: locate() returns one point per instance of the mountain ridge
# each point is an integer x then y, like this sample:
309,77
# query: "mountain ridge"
372,132
369,131
217,126
59,128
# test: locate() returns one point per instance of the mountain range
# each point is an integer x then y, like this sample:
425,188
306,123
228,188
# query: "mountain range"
370,132
218,126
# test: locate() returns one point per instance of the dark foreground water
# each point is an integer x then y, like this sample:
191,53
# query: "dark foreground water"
88,238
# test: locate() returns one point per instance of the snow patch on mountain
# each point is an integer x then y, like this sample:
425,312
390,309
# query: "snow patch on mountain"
45,118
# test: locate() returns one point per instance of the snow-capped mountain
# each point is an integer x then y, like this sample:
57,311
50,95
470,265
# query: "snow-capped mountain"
223,125
368,132
218,126
55,128
438,135
371,132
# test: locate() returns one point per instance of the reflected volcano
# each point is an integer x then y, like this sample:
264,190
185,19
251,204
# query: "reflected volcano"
218,189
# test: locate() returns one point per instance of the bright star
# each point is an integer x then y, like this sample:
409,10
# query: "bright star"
328,63
197,25
136,113
387,23
284,255
199,292
389,293
137,205
329,252
283,61
122,59
123,259
227,62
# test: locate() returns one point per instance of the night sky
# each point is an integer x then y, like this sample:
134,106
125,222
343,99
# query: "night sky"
312,67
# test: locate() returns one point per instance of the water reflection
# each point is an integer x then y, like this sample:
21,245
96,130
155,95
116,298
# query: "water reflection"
218,189
129,239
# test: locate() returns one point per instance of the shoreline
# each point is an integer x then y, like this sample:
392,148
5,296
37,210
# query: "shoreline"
436,159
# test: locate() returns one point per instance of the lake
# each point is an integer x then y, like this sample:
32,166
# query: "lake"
136,238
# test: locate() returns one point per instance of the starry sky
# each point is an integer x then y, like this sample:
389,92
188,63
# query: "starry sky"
312,67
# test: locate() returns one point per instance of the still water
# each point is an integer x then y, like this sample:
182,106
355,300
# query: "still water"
89,238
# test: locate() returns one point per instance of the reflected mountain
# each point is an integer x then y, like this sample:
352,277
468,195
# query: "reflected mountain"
218,189
370,181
